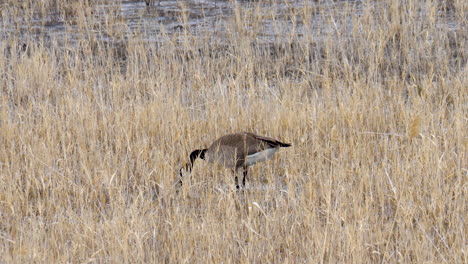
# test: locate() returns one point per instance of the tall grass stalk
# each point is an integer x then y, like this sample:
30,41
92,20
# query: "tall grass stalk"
95,125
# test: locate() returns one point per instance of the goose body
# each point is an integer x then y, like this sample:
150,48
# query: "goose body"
238,150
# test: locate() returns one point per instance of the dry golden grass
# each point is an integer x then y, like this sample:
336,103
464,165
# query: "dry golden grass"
374,101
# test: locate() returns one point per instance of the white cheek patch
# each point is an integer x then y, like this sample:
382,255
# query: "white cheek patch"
260,156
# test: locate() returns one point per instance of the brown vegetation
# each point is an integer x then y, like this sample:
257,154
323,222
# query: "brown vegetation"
373,97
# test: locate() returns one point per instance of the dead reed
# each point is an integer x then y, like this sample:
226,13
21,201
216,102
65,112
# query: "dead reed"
93,127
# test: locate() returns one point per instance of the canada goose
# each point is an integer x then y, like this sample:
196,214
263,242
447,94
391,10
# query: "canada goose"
238,150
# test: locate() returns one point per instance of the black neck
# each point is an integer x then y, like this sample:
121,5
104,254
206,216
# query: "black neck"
198,153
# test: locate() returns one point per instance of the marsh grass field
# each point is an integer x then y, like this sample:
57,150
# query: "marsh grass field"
96,121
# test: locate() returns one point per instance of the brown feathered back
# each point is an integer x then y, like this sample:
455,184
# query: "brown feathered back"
232,149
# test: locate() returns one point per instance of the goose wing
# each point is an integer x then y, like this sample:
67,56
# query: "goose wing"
270,142
236,147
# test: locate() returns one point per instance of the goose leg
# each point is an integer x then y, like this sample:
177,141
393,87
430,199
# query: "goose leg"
236,180
245,176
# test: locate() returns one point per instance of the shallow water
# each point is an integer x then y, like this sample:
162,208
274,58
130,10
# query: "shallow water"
124,20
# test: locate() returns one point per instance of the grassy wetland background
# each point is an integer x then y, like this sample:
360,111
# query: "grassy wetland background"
102,101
